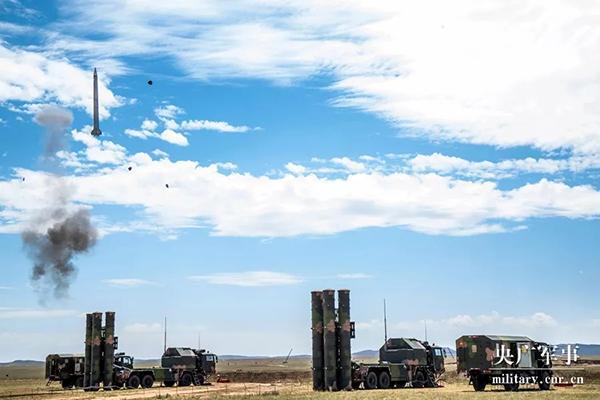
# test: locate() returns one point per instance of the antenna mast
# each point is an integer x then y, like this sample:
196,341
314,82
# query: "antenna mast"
425,330
165,338
385,322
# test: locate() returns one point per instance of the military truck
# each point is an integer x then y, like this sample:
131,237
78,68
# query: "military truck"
402,361
503,360
66,369
179,365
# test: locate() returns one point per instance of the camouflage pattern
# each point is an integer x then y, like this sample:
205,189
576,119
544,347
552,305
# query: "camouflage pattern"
96,361
406,351
66,368
344,376
109,348
329,340
479,352
317,340
481,357
406,360
88,350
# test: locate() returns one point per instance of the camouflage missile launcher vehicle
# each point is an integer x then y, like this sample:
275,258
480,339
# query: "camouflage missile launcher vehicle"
185,366
503,360
66,369
402,361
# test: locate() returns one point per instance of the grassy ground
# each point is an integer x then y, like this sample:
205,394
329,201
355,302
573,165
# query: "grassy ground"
273,379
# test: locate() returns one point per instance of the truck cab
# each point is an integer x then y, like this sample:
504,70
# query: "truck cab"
123,360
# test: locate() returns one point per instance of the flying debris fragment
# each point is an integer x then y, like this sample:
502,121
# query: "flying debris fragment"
96,131
167,185
150,83
129,168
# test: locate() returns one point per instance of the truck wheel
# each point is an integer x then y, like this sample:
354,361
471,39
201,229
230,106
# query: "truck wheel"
419,380
147,381
66,383
169,383
384,380
133,382
186,379
479,383
371,381
544,382
512,387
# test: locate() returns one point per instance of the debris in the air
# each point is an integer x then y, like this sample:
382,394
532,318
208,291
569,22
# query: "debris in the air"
129,168
167,185
23,179
150,83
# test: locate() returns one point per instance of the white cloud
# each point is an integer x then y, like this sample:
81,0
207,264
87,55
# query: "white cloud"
350,165
170,136
220,126
6,288
250,278
98,151
440,163
295,168
31,313
518,73
242,204
149,125
29,76
168,111
160,153
128,282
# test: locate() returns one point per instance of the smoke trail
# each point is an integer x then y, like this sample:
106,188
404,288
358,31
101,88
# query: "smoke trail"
57,233
55,120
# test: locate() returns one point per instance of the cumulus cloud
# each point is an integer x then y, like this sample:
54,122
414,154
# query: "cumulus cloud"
30,76
172,129
504,74
250,278
242,204
444,164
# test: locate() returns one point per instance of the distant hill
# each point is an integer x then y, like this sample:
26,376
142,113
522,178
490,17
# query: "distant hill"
583,350
23,363
366,354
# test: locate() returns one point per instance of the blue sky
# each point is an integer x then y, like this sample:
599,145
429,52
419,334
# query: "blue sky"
445,158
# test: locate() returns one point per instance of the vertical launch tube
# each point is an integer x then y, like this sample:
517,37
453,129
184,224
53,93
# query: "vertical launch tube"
96,360
317,340
87,366
109,348
345,368
329,340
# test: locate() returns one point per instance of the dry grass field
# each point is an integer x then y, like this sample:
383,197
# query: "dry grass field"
272,379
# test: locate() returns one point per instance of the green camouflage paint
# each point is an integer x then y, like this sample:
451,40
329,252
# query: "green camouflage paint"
330,340
317,340
344,378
